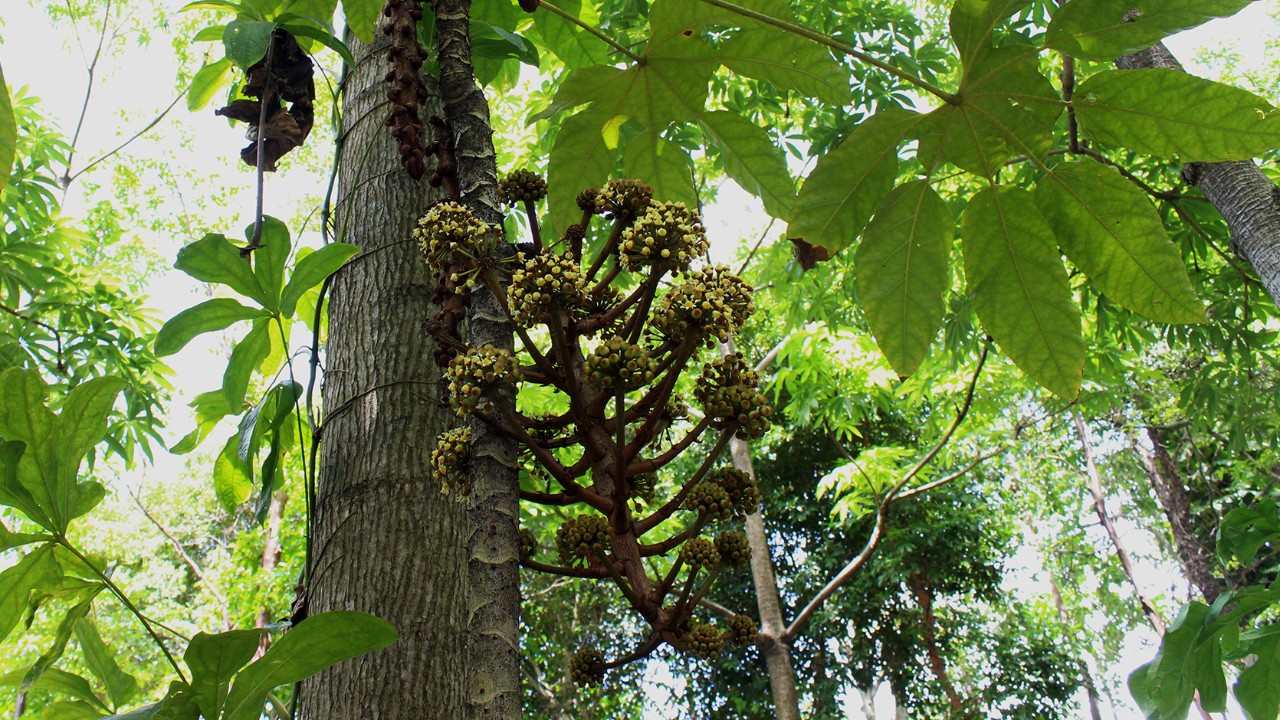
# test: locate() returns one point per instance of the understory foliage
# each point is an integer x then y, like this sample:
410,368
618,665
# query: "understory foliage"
976,177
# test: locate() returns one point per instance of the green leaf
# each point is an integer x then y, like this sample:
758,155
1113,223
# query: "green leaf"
36,570
8,538
903,274
8,132
121,686
214,660
788,62
269,259
1112,232
231,482
324,38
12,492
362,17
1006,109
59,681
71,710
213,259
312,270
267,419
1107,29
210,407
57,647
663,165
1020,288
848,183
579,160
311,646
492,42
217,6
208,316
1244,531
1169,682
751,160
574,46
973,24
208,80
246,41
1258,687
1168,112
245,358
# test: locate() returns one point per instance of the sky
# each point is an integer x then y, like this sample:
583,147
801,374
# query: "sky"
138,83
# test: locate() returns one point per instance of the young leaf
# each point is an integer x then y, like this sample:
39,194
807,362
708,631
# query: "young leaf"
1258,687
848,183
788,62
579,160
663,165
312,270
213,259
246,41
1111,231
574,46
207,82
208,316
209,407
751,160
362,17
311,646
101,661
1107,29
1167,112
245,358
213,660
8,132
36,570
903,274
231,482
269,260
1020,288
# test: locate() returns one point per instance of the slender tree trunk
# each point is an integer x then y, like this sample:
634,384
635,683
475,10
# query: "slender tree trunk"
493,544
1095,712
928,622
385,540
773,642
1248,201
1171,492
271,551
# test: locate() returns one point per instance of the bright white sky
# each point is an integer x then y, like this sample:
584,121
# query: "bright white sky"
135,86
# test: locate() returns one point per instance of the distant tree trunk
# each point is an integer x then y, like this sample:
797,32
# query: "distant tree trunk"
271,551
928,624
1171,492
1248,201
1095,712
385,540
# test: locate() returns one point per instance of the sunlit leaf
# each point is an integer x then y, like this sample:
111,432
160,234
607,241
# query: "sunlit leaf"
231,482
1020,289
574,46
36,569
579,159
245,358
8,132
362,17
788,62
101,661
214,660
207,82
246,41
663,165
1169,113
208,316
903,274
213,259
1107,29
312,270
751,160
973,23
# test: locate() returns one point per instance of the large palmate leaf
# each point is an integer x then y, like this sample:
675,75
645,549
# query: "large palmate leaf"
311,646
1019,287
1112,232
1006,109
669,18
751,160
903,274
579,159
973,23
848,183
788,62
8,132
1107,29
575,47
1167,112
663,165
1258,687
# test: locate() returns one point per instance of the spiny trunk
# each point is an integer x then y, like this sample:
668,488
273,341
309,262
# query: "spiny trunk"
1248,201
773,644
1171,492
386,541
493,544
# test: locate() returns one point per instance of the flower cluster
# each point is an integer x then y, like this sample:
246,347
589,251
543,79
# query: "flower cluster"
709,500
699,553
668,234
449,459
477,370
581,537
587,667
539,281
704,640
733,548
449,233
617,363
711,302
521,186
727,391
742,490
623,199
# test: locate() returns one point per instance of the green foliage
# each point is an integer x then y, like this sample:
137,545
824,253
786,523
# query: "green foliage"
8,132
1107,29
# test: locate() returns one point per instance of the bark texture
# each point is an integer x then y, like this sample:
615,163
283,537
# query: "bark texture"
386,540
493,545
1247,200
1171,492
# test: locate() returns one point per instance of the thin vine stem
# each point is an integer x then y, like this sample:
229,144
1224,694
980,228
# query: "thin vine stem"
124,599
823,39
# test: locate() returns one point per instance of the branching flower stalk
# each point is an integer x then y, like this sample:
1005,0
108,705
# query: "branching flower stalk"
617,336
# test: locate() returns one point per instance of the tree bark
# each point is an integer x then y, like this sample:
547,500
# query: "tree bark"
1248,201
1171,492
493,544
386,540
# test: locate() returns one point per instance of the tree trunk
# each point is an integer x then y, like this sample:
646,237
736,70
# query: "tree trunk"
1248,201
386,541
1091,690
1171,492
